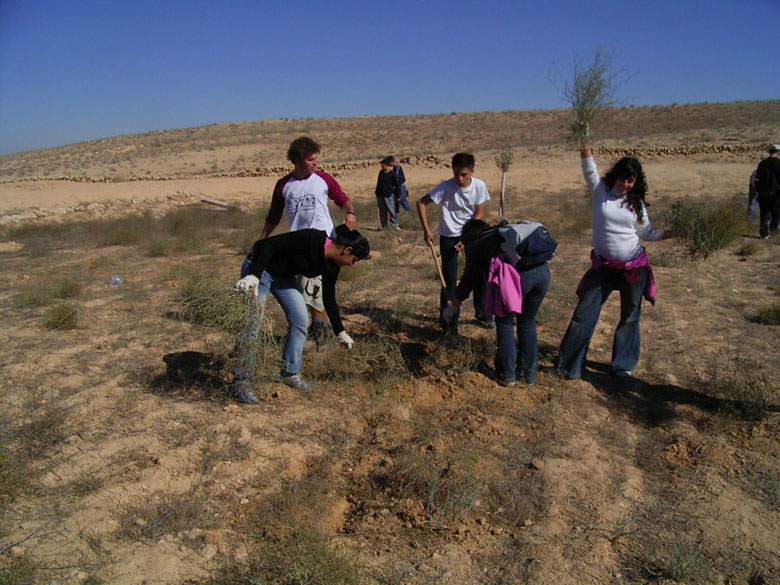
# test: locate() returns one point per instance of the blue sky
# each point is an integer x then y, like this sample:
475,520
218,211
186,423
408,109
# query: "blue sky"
73,70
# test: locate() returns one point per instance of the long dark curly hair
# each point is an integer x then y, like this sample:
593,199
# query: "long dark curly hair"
630,167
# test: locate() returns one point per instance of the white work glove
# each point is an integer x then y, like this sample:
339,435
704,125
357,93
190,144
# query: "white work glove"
249,282
345,340
449,312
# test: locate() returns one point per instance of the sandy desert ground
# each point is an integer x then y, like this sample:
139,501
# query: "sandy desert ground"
125,461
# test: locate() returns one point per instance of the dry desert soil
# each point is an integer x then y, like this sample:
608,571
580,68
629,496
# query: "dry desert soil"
124,460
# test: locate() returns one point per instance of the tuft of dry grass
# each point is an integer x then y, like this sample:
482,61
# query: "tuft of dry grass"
681,560
301,556
172,513
770,315
18,571
62,317
743,388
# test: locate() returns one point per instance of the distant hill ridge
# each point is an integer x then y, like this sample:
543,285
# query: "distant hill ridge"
259,148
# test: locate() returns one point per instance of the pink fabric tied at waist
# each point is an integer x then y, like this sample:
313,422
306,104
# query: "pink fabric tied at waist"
628,270
503,294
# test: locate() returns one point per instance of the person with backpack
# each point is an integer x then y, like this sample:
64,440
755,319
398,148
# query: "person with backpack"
768,192
512,259
618,262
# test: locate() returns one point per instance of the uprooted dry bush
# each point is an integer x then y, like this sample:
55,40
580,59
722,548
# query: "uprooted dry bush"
705,226
210,302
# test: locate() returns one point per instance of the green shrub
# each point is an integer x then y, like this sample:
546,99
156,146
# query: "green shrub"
61,317
705,226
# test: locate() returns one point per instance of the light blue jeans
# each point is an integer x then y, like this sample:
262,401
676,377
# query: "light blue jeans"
286,291
625,346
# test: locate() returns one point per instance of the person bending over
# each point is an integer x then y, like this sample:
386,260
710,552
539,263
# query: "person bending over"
272,266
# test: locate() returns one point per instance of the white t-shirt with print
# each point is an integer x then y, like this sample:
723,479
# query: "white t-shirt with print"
457,204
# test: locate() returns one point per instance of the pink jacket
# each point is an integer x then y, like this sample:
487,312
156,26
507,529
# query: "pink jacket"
628,270
503,294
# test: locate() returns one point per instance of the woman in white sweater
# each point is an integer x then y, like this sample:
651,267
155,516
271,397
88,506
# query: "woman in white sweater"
619,262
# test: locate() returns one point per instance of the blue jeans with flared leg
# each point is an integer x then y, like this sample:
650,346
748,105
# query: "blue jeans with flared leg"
625,346
286,291
525,354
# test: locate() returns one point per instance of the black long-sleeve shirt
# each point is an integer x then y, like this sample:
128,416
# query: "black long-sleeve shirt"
768,177
387,184
300,252
478,257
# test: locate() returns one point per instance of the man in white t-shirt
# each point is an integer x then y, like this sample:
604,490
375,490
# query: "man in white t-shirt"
461,198
304,194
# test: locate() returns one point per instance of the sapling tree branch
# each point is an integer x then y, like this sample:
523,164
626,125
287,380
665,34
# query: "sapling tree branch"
592,90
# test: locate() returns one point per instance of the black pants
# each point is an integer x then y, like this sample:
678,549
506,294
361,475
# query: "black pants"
769,206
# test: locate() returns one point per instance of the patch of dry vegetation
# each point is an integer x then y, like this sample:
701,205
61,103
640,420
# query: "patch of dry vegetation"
408,464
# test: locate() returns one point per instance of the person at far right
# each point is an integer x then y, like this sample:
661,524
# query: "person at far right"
618,262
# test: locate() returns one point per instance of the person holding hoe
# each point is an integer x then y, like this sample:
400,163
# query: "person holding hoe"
618,262
461,198
272,266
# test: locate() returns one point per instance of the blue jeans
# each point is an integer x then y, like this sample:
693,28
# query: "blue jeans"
524,355
625,346
290,298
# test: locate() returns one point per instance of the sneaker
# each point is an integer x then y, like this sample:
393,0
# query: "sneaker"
622,373
397,228
295,381
506,383
243,392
